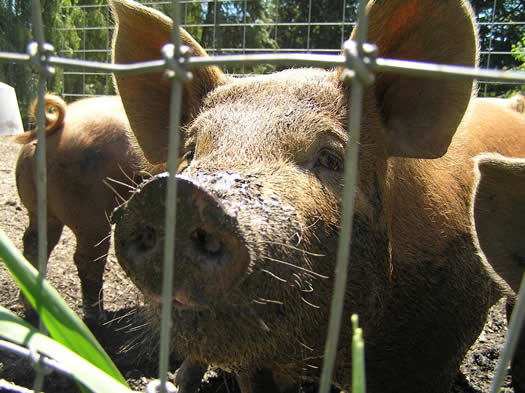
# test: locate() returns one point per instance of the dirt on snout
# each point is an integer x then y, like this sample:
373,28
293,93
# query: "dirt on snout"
127,336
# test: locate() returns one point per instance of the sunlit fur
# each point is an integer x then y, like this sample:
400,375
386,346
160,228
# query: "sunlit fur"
255,145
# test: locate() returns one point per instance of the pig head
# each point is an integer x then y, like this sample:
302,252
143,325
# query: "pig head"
498,209
260,182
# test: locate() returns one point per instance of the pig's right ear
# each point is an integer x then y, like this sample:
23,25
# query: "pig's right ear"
140,33
498,214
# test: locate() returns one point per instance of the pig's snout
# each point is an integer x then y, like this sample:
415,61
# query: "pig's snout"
210,253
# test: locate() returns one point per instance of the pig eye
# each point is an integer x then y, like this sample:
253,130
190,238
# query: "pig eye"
329,160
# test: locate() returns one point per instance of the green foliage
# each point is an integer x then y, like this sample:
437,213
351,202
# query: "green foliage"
499,38
61,322
82,29
358,357
518,51
87,375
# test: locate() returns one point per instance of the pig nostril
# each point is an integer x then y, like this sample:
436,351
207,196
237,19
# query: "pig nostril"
205,241
146,239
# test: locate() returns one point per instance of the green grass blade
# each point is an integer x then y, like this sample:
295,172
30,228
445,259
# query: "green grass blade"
86,374
60,321
358,358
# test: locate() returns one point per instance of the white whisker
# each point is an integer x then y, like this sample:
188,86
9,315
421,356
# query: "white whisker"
114,190
268,301
296,267
273,275
103,240
104,256
128,177
120,183
295,248
310,304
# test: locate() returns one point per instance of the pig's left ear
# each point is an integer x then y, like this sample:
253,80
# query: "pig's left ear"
420,114
499,212
140,33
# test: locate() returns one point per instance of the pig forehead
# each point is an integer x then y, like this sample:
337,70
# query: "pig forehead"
288,108
314,86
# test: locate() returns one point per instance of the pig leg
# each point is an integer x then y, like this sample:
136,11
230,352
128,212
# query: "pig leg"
30,241
517,370
189,376
90,259
257,381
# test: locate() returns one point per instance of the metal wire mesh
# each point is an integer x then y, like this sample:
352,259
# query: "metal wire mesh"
357,57
97,47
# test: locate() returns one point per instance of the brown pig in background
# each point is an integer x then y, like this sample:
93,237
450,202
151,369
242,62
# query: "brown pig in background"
259,202
87,144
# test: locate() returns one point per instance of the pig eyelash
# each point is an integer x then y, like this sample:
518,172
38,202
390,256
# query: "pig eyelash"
329,160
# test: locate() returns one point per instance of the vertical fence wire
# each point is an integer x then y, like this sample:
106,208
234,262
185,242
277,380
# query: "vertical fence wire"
343,37
41,145
355,107
309,26
41,167
511,341
494,5
84,50
171,205
276,21
216,27
216,9
345,230
244,12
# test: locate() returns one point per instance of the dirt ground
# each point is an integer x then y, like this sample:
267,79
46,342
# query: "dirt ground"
128,339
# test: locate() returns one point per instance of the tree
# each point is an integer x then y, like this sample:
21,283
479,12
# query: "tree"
82,29
15,23
235,27
498,36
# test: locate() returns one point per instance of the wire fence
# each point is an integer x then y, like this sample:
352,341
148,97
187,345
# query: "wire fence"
359,61
318,36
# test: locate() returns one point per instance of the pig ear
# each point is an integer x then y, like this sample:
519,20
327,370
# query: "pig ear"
421,114
498,211
140,33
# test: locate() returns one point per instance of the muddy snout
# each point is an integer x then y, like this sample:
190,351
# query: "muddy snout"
210,254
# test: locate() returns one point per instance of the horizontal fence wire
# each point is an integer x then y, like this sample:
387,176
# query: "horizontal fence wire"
45,61
221,24
413,68
26,353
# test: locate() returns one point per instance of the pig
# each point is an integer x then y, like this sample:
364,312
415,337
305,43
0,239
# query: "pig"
260,183
498,210
88,143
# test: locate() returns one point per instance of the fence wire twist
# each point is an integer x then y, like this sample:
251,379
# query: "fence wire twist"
359,62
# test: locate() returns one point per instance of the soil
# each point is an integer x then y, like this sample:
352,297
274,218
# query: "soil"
127,338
